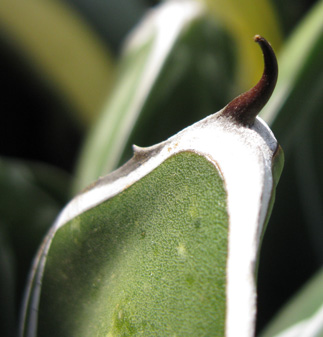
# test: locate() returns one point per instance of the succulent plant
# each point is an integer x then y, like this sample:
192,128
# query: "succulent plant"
169,242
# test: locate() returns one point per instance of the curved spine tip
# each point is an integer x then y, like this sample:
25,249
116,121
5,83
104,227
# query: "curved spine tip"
244,108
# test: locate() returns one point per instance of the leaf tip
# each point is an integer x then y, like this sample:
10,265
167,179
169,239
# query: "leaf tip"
244,108
257,38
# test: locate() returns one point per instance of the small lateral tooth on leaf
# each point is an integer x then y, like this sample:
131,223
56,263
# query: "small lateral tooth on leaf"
244,108
137,150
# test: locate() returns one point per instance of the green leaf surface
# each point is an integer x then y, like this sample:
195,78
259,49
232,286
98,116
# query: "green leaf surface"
130,266
175,47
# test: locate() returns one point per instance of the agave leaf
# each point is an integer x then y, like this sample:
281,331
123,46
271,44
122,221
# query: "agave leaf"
168,243
60,47
146,248
156,95
302,315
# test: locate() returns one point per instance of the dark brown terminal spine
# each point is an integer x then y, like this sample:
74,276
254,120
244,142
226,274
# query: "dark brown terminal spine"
244,108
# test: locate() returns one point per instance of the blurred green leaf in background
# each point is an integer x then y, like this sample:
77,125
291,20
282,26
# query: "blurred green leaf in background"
293,245
64,50
77,91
